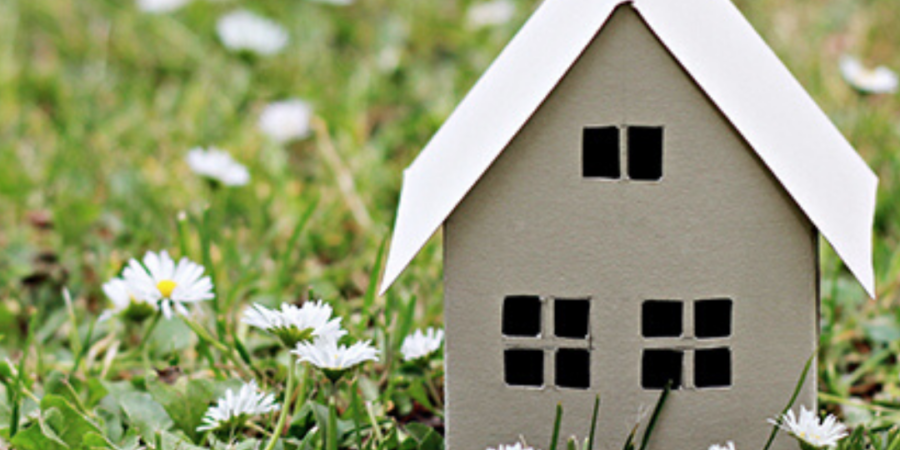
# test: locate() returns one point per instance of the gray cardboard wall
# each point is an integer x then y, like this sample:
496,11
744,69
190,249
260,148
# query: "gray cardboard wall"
718,225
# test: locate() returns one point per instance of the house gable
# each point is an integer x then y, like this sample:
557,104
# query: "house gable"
719,50
718,225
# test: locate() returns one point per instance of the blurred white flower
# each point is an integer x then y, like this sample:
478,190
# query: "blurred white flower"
125,302
243,30
160,6
334,2
234,410
218,165
419,345
292,324
727,446
493,12
879,80
516,446
160,282
808,429
325,353
286,121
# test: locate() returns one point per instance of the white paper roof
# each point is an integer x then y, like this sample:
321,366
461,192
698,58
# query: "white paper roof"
720,50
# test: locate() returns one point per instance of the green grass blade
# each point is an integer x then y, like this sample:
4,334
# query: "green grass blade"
557,424
655,417
286,258
372,289
793,399
594,417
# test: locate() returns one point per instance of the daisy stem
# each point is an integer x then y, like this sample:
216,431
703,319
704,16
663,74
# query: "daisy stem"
429,383
149,331
282,419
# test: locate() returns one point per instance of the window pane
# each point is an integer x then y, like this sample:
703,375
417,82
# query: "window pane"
712,318
712,368
571,318
522,316
645,153
661,366
524,367
661,318
600,153
573,368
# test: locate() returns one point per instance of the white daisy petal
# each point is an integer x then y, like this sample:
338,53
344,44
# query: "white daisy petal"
243,30
419,345
125,301
286,121
491,13
217,165
516,446
292,324
168,285
161,6
728,446
325,353
879,80
334,2
808,428
235,409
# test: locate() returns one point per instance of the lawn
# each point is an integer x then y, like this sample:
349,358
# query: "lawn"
100,103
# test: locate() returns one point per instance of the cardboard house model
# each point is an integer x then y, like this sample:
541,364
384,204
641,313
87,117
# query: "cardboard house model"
633,194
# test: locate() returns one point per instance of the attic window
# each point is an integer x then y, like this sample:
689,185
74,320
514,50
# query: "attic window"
604,149
600,153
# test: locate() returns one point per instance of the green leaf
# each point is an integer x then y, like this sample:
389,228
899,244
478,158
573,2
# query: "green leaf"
145,414
185,403
60,426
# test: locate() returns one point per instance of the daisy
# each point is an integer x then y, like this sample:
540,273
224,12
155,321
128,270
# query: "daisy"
160,282
517,446
727,446
419,345
234,410
292,324
218,166
879,80
286,121
243,30
125,302
494,12
333,359
160,6
810,431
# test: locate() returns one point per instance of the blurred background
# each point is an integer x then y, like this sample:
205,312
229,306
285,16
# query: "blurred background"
101,101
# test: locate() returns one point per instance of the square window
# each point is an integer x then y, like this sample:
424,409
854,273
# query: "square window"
645,153
660,318
522,316
571,318
573,368
659,367
712,318
712,368
600,153
524,367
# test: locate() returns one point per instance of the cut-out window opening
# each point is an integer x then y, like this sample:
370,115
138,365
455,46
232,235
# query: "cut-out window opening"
605,148
601,152
571,317
662,318
712,318
527,342
522,316
663,323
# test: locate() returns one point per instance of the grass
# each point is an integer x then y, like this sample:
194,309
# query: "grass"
99,104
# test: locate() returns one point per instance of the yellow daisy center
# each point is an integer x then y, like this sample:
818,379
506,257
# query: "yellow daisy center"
166,287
